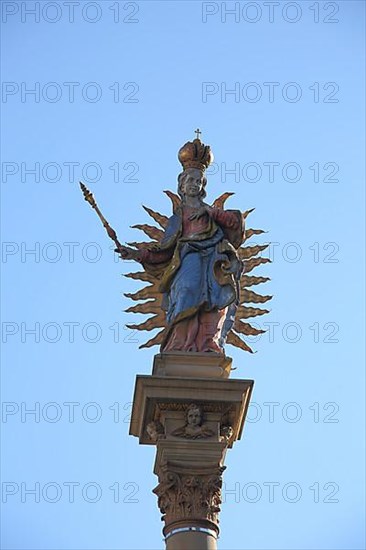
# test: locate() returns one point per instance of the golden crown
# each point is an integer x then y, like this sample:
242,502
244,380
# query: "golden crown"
195,154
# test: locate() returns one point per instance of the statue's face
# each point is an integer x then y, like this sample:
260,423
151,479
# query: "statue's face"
192,185
194,417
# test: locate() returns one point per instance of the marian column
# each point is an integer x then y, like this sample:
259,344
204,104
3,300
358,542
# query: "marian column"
196,266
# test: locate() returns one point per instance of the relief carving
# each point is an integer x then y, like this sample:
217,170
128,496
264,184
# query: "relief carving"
226,433
189,496
194,427
155,431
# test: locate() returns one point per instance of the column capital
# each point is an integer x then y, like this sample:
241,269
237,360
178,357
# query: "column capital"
189,498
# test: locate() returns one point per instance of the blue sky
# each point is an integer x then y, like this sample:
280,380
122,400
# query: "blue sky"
118,88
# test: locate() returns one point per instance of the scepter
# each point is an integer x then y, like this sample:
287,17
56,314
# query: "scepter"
88,196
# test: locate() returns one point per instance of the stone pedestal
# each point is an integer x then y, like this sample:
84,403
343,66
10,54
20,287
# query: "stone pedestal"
192,412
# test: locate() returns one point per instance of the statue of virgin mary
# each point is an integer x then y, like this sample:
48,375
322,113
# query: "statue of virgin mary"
196,262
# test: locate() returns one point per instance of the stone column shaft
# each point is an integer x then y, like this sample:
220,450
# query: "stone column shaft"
192,539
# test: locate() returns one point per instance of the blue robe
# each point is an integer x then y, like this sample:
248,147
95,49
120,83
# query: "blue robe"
201,272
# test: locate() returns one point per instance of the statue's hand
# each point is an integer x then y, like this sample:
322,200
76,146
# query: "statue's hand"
201,212
127,253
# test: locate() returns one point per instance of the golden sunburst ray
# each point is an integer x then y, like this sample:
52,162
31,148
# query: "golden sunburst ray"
220,201
155,341
146,307
246,252
247,329
248,296
254,262
247,212
141,276
248,312
145,293
176,200
159,218
250,280
150,230
250,232
235,340
157,321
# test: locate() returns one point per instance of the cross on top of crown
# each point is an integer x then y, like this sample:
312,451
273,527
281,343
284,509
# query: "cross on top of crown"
198,132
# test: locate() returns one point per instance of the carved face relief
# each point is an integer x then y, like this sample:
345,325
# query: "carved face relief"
191,183
194,417
194,427
155,431
226,433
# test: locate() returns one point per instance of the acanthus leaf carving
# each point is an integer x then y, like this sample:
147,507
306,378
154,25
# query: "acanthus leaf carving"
189,496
